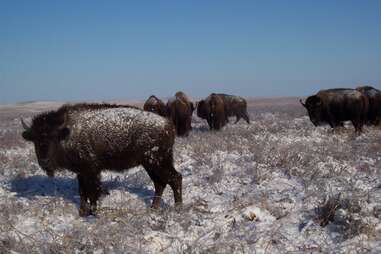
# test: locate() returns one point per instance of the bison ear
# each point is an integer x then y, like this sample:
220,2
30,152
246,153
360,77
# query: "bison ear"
27,135
63,133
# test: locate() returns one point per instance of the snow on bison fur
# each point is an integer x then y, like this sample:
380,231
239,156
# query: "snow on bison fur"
89,138
155,105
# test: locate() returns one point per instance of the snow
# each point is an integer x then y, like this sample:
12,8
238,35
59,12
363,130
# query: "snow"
247,189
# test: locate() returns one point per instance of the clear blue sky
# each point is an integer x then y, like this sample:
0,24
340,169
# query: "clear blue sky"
100,50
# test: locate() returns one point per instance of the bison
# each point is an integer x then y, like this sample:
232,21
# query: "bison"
374,97
334,106
235,106
89,138
180,110
212,108
155,105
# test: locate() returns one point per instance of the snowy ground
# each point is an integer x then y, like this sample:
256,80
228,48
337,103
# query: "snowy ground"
278,185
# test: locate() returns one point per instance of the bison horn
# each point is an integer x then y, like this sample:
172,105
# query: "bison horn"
24,125
301,102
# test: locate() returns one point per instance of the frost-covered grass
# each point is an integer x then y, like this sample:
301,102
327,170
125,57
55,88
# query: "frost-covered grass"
278,185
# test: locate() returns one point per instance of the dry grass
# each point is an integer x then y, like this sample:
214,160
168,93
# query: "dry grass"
320,188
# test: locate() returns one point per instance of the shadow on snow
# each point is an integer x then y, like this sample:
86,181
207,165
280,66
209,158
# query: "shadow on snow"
67,188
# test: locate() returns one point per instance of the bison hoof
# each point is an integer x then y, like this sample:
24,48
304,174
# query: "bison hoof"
86,211
155,206
178,207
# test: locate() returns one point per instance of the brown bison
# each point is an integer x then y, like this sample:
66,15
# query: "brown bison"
212,108
334,106
374,97
155,105
180,110
235,106
89,138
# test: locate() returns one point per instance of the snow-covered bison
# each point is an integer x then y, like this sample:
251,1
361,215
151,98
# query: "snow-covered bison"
155,105
180,110
334,106
89,138
212,108
374,97
235,106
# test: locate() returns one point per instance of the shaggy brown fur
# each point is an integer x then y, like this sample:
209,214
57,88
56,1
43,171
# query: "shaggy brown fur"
374,97
180,110
155,105
235,106
213,110
334,106
89,138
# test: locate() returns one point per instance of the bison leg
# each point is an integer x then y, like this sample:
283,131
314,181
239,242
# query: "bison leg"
84,209
90,189
162,175
246,117
95,191
175,181
358,126
159,189
210,123
159,186
226,119
238,117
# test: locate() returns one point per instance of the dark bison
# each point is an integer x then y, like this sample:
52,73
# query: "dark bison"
235,106
334,106
180,110
212,108
374,97
155,105
89,138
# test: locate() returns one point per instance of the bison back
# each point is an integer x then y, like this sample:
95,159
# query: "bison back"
117,137
343,104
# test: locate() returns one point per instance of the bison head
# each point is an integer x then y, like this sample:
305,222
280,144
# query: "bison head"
46,132
202,109
313,106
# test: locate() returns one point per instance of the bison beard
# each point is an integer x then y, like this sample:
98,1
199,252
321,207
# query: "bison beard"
89,138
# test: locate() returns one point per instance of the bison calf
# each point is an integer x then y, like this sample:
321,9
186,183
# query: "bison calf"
89,138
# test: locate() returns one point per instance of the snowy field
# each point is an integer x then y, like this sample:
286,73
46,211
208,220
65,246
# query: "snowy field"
278,185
